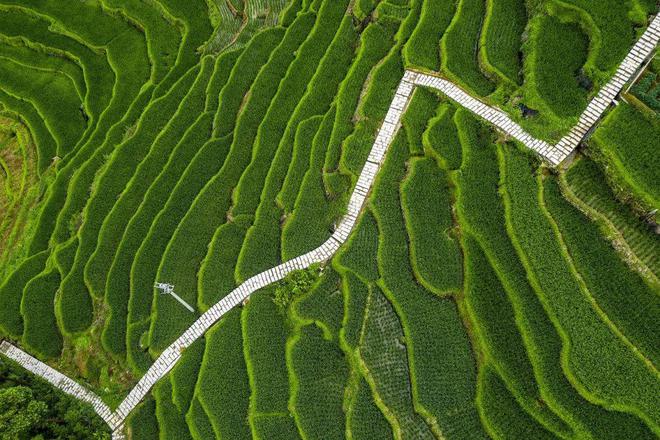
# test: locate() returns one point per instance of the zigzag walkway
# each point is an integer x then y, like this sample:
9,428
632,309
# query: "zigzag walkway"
554,154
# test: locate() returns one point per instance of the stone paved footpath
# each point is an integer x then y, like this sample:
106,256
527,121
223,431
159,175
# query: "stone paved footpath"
554,154
60,381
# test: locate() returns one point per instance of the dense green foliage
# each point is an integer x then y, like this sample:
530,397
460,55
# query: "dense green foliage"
198,143
32,408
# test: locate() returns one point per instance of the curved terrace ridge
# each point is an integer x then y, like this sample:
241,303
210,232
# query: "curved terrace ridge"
553,154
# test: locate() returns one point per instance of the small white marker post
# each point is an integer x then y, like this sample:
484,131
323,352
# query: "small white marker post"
169,289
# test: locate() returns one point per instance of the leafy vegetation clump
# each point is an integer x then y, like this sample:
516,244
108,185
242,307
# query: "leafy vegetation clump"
295,285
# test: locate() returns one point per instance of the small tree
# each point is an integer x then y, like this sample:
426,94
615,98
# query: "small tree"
297,283
20,413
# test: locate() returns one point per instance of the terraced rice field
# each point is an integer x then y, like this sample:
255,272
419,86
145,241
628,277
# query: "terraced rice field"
482,293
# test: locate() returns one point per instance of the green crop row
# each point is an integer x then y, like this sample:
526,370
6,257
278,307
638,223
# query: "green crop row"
50,62
383,360
163,150
317,374
324,86
359,254
216,275
314,211
597,358
40,332
145,269
591,192
279,426
69,192
100,262
356,295
184,375
376,98
292,91
500,413
192,19
317,314
426,203
76,20
481,213
11,291
114,178
46,145
300,162
423,48
415,120
34,31
218,189
162,36
171,421
58,103
440,139
494,322
23,192
265,332
260,52
610,26
199,224
125,58
626,139
323,305
459,47
176,185
631,304
198,422
375,41
435,337
501,38
179,270
363,418
142,422
555,53
258,252
261,249
363,8
223,388
224,65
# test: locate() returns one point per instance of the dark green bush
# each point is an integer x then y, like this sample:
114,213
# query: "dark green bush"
65,416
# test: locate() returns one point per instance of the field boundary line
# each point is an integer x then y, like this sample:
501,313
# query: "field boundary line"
553,154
